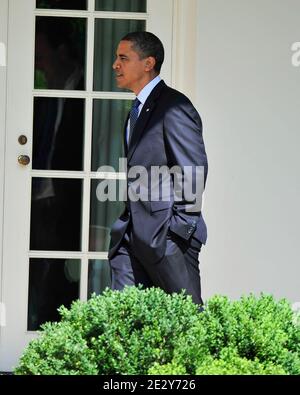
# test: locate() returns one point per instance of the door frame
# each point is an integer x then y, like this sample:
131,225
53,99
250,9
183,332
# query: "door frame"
17,122
3,70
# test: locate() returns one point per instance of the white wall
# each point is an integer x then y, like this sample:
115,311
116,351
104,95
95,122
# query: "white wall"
249,99
3,42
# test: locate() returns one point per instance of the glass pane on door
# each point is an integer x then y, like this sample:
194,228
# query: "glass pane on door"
103,213
58,133
60,53
98,276
52,283
109,118
121,5
56,207
62,4
108,33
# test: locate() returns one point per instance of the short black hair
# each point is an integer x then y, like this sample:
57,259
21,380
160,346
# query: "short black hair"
147,44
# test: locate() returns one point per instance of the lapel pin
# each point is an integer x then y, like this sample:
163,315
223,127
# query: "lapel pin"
148,109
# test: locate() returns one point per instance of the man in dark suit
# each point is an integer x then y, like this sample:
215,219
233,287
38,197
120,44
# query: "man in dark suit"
156,242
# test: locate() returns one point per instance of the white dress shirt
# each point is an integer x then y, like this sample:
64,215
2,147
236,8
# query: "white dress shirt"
143,96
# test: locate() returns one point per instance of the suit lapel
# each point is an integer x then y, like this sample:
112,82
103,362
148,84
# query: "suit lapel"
143,119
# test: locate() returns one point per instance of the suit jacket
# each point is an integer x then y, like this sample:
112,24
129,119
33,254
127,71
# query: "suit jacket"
168,133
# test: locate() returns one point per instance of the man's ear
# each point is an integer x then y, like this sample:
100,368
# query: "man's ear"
150,63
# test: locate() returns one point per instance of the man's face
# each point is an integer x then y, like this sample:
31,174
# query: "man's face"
131,71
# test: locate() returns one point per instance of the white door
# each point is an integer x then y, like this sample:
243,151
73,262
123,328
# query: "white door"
63,121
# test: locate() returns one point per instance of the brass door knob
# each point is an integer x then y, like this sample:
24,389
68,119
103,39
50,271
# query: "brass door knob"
24,160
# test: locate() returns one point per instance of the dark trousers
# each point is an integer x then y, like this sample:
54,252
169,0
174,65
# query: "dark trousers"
177,270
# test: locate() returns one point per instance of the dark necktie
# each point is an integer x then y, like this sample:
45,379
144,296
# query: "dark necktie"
134,114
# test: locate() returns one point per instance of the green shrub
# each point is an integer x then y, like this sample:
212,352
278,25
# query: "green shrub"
259,329
168,369
60,351
147,331
230,363
120,332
